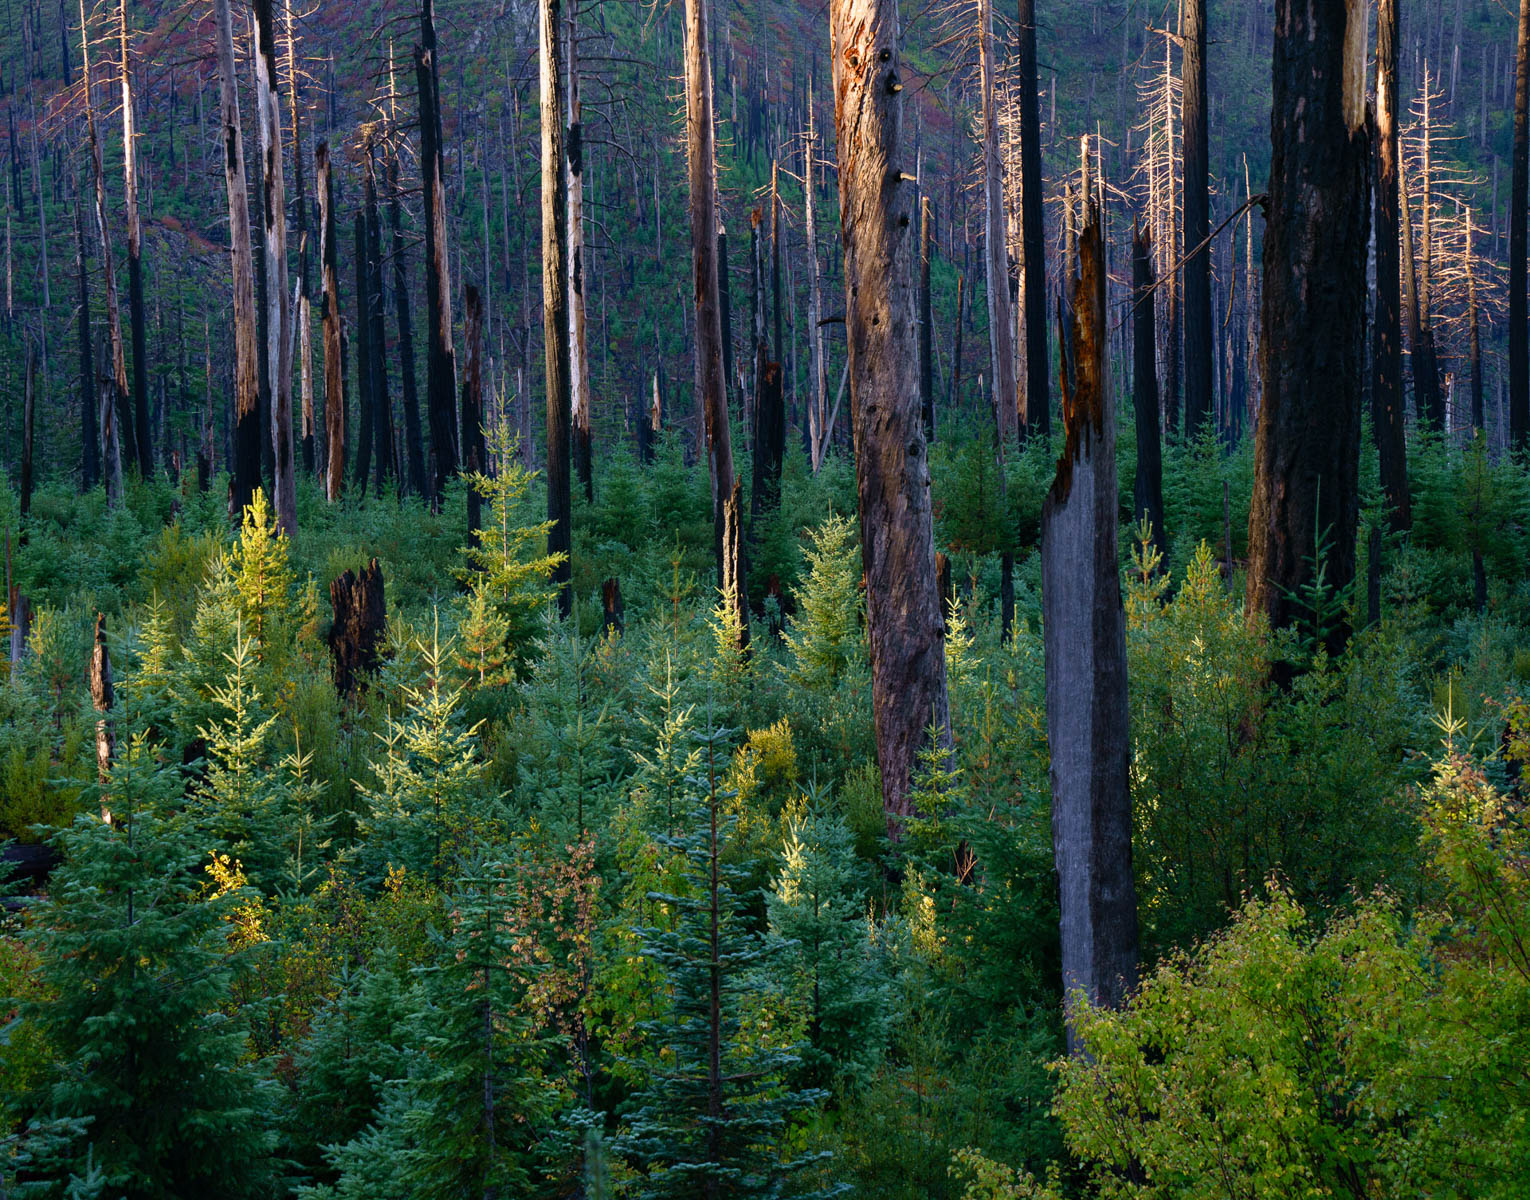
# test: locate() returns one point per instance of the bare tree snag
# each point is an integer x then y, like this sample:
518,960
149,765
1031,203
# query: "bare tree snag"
278,304
1386,342
613,620
441,364
1001,317
578,355
141,438
247,437
419,482
356,636
1519,198
90,434
366,406
1195,156
334,348
701,173
28,419
1148,488
926,325
555,318
377,333
1084,631
877,193
104,698
1033,230
474,452
305,296
1308,444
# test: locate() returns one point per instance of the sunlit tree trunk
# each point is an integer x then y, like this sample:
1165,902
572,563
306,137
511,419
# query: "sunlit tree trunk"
555,322
1038,412
1197,203
334,346
441,365
141,438
1001,319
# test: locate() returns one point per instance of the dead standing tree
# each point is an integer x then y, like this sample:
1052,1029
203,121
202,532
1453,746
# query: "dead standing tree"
1386,344
878,194
440,363
135,258
334,347
555,322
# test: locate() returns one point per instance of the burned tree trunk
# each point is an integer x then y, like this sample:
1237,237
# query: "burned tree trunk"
473,449
377,333
278,304
1308,443
555,323
356,636
1033,230
1197,206
28,418
419,482
700,169
440,364
103,697
334,348
1474,343
613,621
141,438
578,355
905,625
1519,198
304,302
1001,318
247,436
90,436
1084,630
1386,342
926,358
365,387
1148,489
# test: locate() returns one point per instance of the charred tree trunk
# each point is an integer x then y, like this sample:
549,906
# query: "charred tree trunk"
334,347
1386,342
1519,198
419,482
103,698
700,169
474,452
377,333
90,439
1197,205
440,365
365,387
1148,489
355,637
905,625
1308,444
578,357
141,438
1033,230
555,323
278,302
305,295
1001,318
247,436
926,358
1474,352
1084,630
28,417
1428,404
613,621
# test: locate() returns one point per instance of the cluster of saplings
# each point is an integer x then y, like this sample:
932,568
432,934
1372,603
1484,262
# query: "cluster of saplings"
603,906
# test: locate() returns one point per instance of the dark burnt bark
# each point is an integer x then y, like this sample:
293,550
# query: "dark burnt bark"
1084,630
926,358
90,438
377,333
356,636
334,347
1519,197
1308,443
555,319
905,626
419,482
278,313
613,619
1033,230
103,698
136,317
364,386
1197,208
28,418
1386,339
1148,488
474,453
440,364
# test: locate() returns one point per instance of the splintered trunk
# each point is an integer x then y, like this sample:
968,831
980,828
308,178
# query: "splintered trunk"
278,302
555,320
334,347
1033,230
926,358
377,334
305,296
700,158
1084,630
1519,197
141,438
1197,206
578,357
1148,489
121,404
103,698
357,632
247,435
1306,484
474,452
1386,340
90,439
877,194
440,366
364,384
1001,320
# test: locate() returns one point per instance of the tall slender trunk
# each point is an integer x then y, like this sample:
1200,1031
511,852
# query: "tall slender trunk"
1306,484
700,171
441,365
1474,354
329,316
305,295
247,435
1001,320
770,403
1085,643
555,322
278,303
817,367
121,405
1148,489
28,416
90,439
141,439
877,193
419,482
474,452
1519,197
1194,156
1033,230
578,357
926,358
377,333
1386,343
1427,402
366,389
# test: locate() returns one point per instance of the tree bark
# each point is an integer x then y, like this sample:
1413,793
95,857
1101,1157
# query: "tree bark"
1001,318
28,418
356,635
1033,230
1386,342
474,452
877,193
1197,205
278,303
441,365
1084,630
579,360
1148,489
419,482
103,698
90,438
334,347
141,438
1308,442
377,333
700,163
305,297
247,438
555,319
926,330
365,388
1519,197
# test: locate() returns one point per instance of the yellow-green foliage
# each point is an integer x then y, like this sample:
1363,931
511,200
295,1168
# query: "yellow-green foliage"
825,638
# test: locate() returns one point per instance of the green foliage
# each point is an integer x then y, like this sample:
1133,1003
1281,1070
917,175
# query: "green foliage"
825,640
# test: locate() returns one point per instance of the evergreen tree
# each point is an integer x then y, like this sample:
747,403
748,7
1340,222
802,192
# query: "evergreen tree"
826,639
138,973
